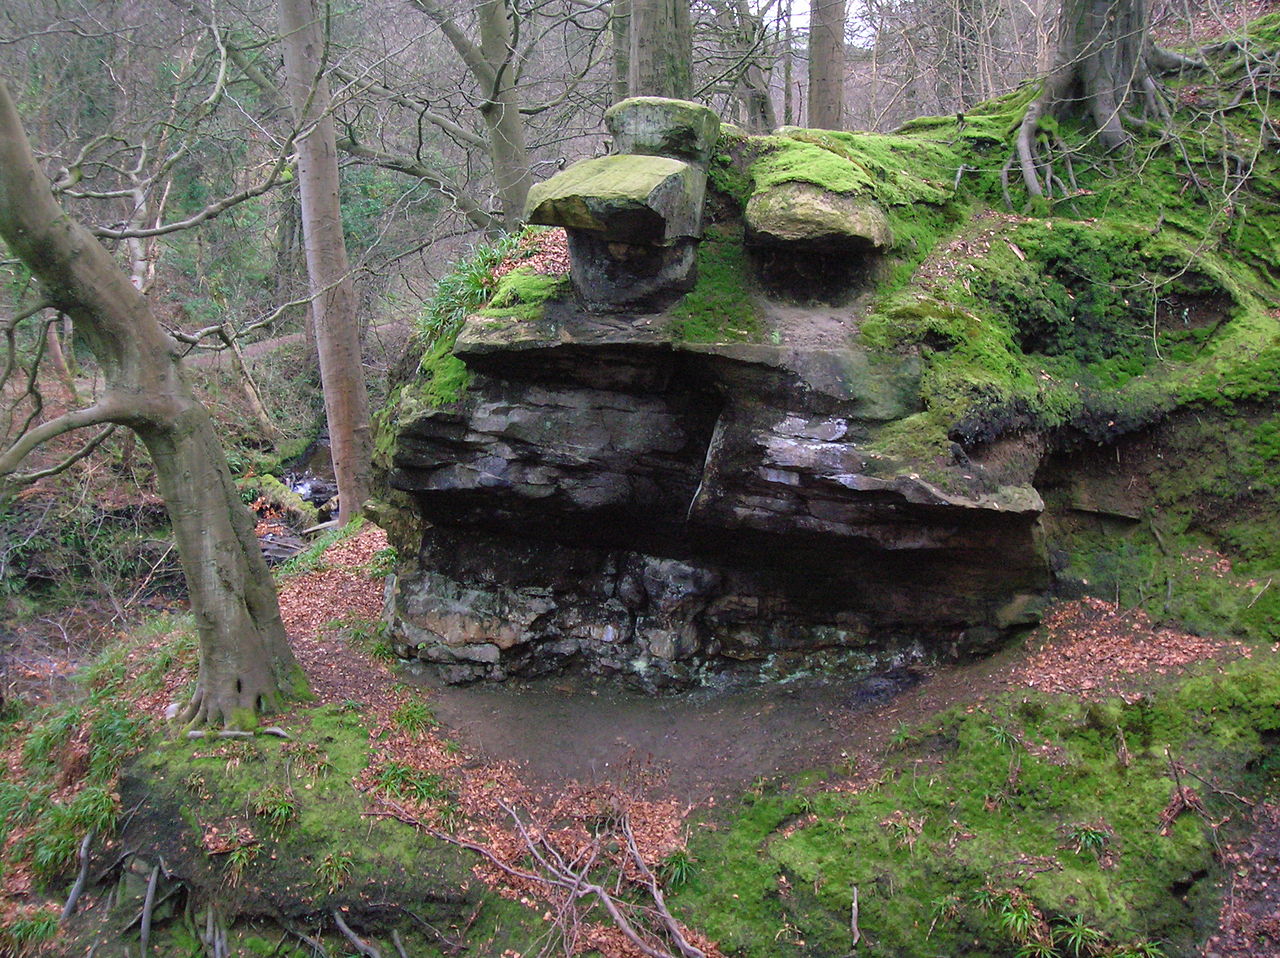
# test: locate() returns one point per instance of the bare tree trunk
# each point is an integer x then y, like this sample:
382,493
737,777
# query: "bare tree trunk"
969,15
59,360
1106,64
788,59
753,87
661,49
826,64
245,661
501,111
493,65
620,36
333,299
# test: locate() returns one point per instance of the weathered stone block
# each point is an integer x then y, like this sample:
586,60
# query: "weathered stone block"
660,127
639,200
805,215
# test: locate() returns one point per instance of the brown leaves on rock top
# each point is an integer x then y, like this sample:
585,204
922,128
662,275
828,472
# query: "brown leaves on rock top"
545,252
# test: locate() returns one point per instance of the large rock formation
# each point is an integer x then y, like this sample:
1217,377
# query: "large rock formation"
608,497
826,441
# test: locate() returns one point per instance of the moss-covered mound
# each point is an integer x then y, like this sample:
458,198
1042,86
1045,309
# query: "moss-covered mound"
1041,825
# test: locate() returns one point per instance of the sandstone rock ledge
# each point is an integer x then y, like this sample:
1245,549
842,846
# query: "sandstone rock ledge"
606,498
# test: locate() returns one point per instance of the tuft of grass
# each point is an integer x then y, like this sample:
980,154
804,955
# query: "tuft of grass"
382,563
677,868
239,859
1090,839
275,806
1076,938
334,870
405,781
415,717
369,637
29,930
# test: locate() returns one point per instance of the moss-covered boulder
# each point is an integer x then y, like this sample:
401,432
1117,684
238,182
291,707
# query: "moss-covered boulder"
627,199
802,214
657,126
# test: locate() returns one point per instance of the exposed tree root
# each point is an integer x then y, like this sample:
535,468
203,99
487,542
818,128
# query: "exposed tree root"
1107,66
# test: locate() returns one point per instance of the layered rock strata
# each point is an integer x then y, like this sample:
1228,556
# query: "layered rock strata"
606,498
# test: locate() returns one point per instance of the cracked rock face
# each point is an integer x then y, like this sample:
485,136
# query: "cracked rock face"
605,499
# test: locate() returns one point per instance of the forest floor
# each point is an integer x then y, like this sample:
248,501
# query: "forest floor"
543,745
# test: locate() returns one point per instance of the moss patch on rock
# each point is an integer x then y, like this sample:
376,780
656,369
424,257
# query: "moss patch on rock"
521,294
720,307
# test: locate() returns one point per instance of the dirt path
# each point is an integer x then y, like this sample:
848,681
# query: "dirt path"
707,745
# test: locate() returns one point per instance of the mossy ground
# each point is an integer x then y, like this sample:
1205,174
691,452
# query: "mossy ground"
274,833
1036,798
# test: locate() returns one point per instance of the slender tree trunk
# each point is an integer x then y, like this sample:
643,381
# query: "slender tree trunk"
493,65
333,299
661,49
501,111
788,59
969,15
59,360
620,35
753,87
245,661
826,64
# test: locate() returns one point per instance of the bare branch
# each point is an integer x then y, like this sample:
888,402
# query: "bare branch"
109,410
403,164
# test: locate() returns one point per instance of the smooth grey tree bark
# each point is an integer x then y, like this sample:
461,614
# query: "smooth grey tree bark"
245,661
661,49
333,298
826,64
492,63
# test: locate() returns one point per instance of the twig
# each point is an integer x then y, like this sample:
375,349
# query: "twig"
137,919
1259,595
1224,792
220,733
78,888
316,945
854,930
357,942
573,883
655,892
148,909
451,946
395,940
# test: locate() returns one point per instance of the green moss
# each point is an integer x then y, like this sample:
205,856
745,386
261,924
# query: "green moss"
727,172
522,293
720,307
910,177
894,169
961,812
277,494
1173,562
222,784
